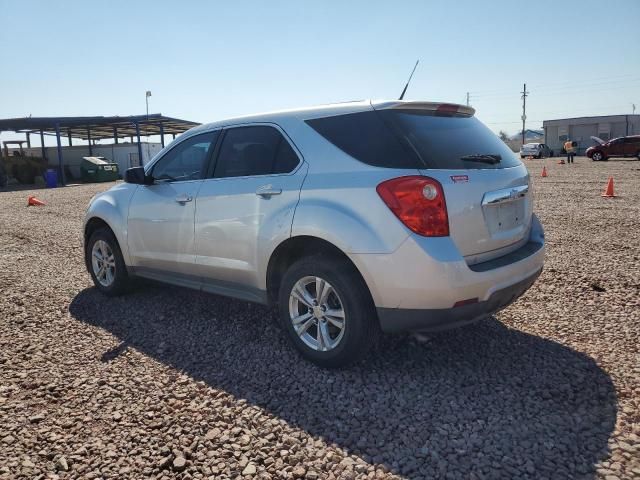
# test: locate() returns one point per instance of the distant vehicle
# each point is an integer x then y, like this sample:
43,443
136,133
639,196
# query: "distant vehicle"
400,216
535,150
618,147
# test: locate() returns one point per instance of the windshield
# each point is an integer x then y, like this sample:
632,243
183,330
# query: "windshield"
450,142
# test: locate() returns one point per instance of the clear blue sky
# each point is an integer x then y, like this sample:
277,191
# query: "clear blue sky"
208,60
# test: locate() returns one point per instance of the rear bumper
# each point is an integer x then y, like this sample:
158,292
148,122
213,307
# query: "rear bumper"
433,320
417,286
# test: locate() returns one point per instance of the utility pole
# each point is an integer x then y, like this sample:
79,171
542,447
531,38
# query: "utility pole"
524,108
467,99
146,97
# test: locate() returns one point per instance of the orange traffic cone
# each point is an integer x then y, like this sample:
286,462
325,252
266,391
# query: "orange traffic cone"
34,201
544,171
608,192
561,161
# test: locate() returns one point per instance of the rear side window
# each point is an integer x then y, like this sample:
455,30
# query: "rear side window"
365,137
251,151
416,139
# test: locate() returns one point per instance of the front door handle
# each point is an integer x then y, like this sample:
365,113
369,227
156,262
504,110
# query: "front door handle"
268,191
183,198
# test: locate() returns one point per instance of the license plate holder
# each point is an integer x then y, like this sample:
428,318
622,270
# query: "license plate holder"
509,215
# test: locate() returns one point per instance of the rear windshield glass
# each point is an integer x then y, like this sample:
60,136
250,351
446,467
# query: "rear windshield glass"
416,139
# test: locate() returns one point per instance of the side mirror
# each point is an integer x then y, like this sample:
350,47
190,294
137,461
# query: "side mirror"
136,175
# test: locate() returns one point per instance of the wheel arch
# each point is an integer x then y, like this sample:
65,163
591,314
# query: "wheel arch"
292,250
96,222
93,224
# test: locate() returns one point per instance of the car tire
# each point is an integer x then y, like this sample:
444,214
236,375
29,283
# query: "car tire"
317,337
102,249
597,156
539,155
522,157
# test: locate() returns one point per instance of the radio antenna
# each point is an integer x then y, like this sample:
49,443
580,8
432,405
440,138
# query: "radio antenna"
410,77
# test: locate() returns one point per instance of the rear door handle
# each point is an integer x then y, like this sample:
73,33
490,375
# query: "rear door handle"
267,191
183,198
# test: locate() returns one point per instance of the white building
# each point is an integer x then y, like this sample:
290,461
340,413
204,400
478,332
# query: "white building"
581,129
124,154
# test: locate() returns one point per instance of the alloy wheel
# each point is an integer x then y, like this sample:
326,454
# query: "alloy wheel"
316,313
103,263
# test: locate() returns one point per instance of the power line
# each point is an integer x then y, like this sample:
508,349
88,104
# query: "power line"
591,109
510,123
571,91
571,84
571,114
613,78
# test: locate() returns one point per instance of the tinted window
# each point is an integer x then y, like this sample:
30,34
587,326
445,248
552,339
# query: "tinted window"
449,141
187,160
414,139
286,159
365,137
260,150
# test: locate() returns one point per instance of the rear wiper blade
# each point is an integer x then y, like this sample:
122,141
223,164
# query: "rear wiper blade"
492,159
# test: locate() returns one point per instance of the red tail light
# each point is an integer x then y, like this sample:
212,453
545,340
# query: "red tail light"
419,203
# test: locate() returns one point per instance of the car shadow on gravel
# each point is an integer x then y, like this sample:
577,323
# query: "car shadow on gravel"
484,399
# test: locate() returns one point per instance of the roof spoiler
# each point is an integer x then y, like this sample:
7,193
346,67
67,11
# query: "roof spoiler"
446,108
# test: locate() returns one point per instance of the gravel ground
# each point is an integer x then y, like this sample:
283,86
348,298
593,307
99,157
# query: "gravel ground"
170,383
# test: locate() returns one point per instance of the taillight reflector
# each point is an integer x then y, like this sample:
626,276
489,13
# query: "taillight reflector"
462,303
418,202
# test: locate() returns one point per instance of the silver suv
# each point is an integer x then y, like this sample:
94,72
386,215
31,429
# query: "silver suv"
351,218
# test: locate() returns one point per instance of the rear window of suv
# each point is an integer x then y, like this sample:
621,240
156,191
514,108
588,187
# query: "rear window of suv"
398,138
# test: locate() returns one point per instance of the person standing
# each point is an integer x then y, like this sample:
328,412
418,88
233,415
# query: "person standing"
570,148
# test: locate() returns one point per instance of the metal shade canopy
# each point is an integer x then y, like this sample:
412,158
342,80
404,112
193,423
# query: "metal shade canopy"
99,128
95,128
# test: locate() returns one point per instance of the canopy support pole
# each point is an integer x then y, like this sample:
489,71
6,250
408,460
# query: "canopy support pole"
115,135
162,135
89,138
44,152
139,144
60,161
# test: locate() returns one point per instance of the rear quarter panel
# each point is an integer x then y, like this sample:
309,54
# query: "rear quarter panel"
339,202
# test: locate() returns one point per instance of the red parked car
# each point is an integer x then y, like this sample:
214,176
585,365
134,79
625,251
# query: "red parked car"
618,147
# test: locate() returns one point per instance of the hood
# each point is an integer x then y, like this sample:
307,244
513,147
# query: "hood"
598,140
